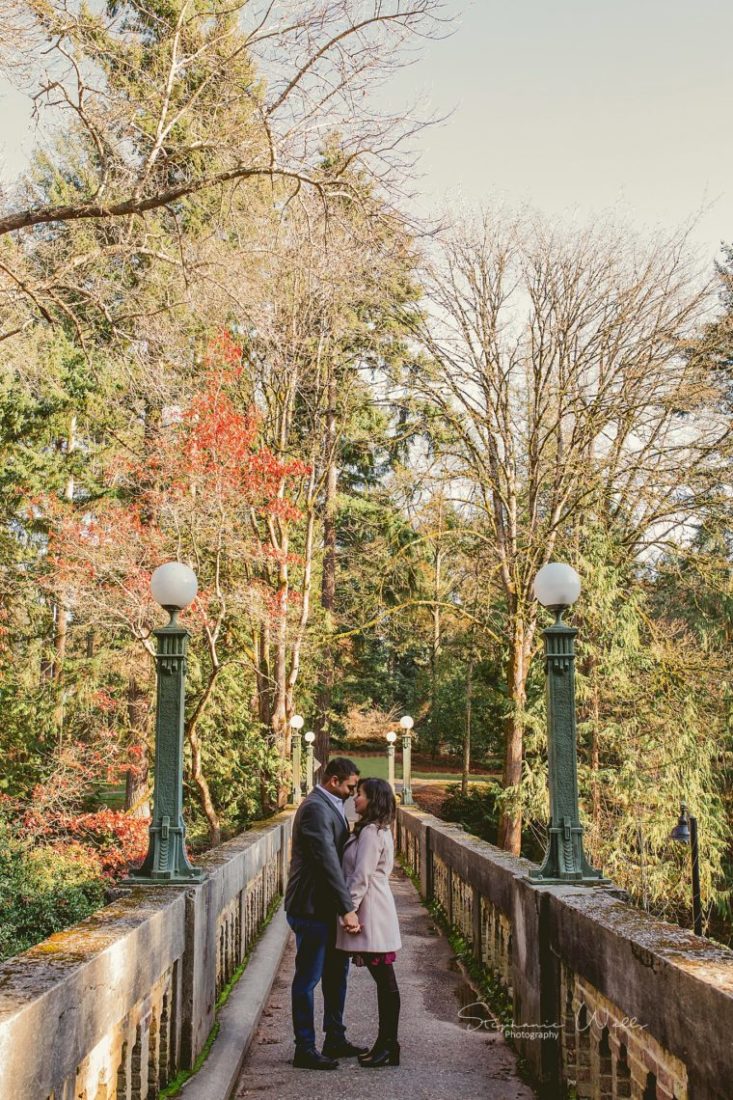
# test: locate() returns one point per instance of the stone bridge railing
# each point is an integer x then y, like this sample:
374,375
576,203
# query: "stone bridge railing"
114,1007
607,1001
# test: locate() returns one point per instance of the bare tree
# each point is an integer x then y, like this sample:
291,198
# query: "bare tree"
559,371
169,127
19,40
311,318
134,78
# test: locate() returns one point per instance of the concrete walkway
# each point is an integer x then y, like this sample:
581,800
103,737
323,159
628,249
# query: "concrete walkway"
442,1058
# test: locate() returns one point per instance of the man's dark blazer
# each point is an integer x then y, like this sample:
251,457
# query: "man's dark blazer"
316,885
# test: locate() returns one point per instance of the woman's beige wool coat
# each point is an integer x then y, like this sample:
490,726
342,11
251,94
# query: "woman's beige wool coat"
367,863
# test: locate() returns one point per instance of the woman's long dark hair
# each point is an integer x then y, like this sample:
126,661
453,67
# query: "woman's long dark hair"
381,807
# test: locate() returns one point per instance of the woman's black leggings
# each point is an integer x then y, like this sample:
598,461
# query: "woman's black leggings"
388,1000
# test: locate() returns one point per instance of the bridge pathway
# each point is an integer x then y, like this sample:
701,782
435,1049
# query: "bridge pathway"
442,1057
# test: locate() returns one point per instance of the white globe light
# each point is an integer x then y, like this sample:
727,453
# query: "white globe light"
407,722
557,585
391,737
297,722
310,737
174,585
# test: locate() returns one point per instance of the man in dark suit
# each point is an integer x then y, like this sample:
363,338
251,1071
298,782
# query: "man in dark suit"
316,895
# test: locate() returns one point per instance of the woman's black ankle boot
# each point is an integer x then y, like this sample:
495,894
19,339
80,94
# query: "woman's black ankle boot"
376,1045
386,1053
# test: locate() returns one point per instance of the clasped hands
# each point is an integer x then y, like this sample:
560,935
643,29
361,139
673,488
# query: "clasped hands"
350,923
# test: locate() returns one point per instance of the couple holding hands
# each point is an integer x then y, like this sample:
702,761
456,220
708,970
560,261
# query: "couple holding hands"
339,904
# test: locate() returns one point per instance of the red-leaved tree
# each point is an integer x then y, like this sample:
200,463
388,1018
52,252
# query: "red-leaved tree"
202,492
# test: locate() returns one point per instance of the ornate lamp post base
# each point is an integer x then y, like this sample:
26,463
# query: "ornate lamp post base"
166,861
565,862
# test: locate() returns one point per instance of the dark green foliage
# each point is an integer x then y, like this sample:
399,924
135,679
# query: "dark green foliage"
476,811
42,890
449,715
236,757
379,574
26,733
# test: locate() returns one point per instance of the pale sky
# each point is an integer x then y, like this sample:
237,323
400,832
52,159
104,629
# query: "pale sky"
570,105
586,105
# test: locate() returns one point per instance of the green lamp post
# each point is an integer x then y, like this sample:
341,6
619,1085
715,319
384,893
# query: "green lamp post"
685,832
174,586
557,586
391,738
296,724
406,723
309,765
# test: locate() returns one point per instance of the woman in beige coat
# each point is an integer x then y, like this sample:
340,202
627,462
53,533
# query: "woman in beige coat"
367,862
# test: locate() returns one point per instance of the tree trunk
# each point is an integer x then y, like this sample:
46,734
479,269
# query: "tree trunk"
137,789
510,824
59,641
298,635
595,764
263,701
435,653
279,717
59,656
324,696
137,780
61,612
197,774
197,770
467,731
263,677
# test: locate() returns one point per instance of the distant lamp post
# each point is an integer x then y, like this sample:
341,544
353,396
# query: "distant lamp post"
557,586
685,832
391,738
406,722
174,586
296,724
309,739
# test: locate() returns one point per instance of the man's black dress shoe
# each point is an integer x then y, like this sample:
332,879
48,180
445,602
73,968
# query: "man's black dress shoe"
311,1059
343,1049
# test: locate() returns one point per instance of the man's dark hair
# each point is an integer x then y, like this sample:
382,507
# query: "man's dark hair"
341,767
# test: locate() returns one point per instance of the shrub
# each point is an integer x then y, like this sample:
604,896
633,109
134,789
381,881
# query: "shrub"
119,842
43,889
477,811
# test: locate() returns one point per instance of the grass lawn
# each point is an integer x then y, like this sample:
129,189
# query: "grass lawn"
376,766
111,795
